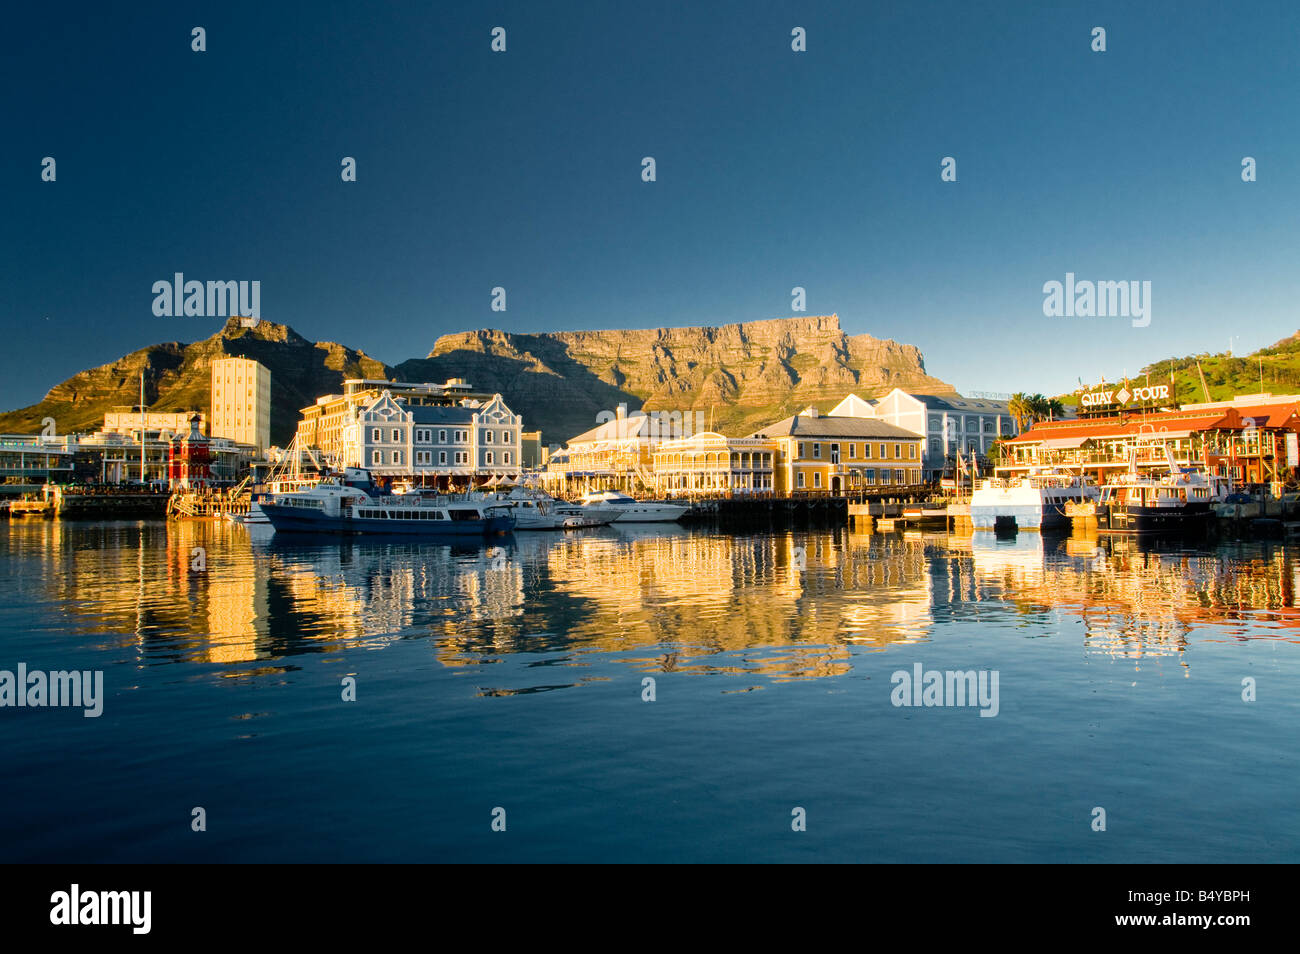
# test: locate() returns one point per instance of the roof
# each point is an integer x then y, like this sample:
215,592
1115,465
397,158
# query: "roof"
1169,424
619,429
829,426
955,402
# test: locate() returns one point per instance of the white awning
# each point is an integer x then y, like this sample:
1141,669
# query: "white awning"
1065,443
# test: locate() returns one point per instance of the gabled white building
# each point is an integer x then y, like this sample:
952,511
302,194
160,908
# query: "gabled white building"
391,438
950,423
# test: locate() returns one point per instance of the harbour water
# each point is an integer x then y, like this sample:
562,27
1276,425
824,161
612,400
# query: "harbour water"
1156,682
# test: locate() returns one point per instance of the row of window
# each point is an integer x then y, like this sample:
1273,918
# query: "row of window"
426,458
973,424
424,435
853,451
868,477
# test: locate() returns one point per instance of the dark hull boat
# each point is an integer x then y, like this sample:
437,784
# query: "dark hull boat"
339,509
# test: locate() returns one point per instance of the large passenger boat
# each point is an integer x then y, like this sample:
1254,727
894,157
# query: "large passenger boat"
1035,501
1180,500
334,507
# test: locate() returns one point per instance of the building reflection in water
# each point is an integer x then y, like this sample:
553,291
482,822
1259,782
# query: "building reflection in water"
782,604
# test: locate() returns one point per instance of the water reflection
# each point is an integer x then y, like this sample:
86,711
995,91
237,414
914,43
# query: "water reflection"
781,605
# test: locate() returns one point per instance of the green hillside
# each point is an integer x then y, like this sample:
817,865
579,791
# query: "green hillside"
1225,375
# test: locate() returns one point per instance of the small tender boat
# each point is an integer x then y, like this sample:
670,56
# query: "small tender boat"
631,510
333,507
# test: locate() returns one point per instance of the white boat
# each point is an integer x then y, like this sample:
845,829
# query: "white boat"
1035,501
538,510
332,506
631,510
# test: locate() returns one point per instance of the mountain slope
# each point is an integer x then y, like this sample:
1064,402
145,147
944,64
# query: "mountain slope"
740,376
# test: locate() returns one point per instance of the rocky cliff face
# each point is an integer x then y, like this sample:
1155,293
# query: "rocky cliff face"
179,376
739,376
743,375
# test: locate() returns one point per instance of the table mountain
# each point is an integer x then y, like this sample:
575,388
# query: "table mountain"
740,376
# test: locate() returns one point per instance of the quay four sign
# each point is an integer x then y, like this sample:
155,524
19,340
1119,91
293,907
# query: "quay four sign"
1124,397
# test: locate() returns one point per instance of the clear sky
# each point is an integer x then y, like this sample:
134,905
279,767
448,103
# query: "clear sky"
522,169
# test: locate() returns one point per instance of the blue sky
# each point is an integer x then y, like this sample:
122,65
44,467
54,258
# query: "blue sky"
775,169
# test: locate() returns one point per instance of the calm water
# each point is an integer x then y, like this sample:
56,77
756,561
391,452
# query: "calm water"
515,680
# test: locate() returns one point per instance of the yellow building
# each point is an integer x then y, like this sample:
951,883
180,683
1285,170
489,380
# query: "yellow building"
831,455
712,464
241,402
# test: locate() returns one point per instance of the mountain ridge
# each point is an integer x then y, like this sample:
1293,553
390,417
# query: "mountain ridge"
742,374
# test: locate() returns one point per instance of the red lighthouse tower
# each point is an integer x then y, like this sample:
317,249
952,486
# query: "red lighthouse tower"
189,460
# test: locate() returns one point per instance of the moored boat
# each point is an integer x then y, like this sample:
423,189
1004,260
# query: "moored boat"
334,507
631,510
1180,500
538,510
1035,501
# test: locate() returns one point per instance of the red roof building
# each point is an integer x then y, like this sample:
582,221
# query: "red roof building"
1252,444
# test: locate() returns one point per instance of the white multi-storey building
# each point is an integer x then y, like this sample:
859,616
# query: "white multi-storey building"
392,438
241,402
950,423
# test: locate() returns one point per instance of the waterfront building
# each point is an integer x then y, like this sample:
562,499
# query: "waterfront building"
531,451
835,454
950,423
241,402
28,462
616,454
1252,440
129,420
457,443
710,464
322,425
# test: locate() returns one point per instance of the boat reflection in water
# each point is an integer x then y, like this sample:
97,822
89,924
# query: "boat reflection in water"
780,605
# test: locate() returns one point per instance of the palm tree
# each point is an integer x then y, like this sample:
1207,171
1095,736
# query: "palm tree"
1020,410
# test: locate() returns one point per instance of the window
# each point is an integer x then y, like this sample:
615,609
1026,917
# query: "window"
487,437
505,457
936,422
799,479
988,425
397,457
817,478
853,451
898,452
817,451
883,455
972,424
800,454
462,437
505,437
488,457
442,457
866,452
442,437
397,436
869,475
376,436
911,452
377,457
